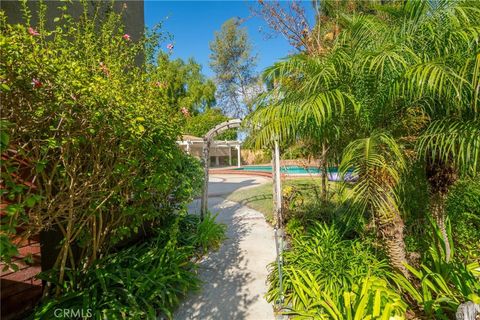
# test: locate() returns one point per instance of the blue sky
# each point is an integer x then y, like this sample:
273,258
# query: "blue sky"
193,23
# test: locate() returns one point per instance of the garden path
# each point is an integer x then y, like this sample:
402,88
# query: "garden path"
234,277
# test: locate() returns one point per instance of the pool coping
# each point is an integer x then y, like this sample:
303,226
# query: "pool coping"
241,172
260,173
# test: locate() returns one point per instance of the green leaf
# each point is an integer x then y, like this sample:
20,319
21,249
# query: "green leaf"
4,87
4,141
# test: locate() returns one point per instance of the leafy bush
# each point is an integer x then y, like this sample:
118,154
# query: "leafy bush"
204,235
463,209
142,281
440,286
334,263
133,283
369,298
89,134
209,233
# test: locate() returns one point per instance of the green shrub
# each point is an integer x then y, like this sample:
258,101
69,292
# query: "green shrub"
368,298
438,287
203,235
209,234
136,283
88,133
336,264
463,209
142,281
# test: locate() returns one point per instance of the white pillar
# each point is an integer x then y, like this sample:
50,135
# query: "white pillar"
206,163
188,147
217,161
229,155
238,156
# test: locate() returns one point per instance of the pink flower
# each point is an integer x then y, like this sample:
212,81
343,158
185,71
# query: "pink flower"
36,83
170,46
185,111
33,32
126,37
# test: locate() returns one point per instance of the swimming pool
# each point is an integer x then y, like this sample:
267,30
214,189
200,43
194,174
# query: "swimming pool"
283,169
333,174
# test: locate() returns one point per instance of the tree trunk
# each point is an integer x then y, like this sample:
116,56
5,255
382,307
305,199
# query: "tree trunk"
324,174
440,177
392,232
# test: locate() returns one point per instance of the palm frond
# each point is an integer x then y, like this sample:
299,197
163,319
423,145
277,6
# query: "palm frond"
377,161
453,141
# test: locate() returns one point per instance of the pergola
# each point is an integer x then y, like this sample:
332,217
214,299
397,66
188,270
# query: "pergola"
218,148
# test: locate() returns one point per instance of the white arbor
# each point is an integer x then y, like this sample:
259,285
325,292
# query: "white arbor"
207,141
277,189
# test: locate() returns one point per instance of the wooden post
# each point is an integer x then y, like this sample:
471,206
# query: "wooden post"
274,185
277,201
206,162
278,187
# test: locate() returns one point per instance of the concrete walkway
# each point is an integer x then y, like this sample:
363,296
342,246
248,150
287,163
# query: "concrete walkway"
223,185
234,277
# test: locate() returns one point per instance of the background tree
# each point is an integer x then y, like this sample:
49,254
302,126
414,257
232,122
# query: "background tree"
291,20
198,125
233,63
184,84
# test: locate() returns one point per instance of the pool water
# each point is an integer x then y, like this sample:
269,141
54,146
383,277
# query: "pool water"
332,172
288,169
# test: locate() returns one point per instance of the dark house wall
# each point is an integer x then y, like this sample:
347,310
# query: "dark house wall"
133,12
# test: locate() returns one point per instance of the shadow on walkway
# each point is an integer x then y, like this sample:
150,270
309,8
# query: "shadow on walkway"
234,276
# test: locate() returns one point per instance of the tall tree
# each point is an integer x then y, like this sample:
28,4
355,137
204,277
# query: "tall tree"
234,66
290,19
199,124
186,86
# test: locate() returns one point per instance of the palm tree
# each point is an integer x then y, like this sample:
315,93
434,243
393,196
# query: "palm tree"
378,162
428,60
444,79
304,102
412,73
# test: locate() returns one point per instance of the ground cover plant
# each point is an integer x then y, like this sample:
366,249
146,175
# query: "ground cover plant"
301,192
143,281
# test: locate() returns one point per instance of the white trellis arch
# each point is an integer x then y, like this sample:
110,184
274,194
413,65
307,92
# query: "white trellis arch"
207,139
277,190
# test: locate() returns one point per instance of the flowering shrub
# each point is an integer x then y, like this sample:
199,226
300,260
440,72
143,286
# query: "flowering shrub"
88,138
